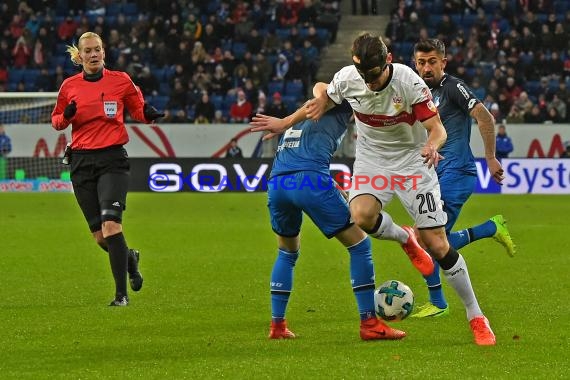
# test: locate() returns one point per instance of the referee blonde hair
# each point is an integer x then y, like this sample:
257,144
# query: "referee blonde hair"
74,50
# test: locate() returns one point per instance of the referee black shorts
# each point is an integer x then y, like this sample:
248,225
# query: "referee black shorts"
100,181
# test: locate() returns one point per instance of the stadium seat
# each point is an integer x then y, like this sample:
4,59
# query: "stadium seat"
15,75
159,101
217,101
294,89
239,49
113,9
130,9
274,86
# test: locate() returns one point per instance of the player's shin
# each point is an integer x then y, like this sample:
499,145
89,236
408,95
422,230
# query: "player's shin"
282,283
386,229
118,253
433,282
362,277
455,271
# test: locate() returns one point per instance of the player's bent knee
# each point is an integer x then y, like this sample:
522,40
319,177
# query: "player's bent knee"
436,243
111,228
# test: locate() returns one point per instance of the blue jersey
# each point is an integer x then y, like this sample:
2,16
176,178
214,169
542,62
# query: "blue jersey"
310,145
454,101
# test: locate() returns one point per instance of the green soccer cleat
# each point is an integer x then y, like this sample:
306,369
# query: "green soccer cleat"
502,235
430,310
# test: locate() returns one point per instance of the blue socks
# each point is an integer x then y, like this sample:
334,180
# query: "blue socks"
282,283
362,277
433,282
460,239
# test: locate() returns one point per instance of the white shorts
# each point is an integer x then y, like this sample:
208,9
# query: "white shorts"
415,185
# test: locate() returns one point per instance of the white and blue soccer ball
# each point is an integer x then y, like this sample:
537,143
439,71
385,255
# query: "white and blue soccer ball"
394,300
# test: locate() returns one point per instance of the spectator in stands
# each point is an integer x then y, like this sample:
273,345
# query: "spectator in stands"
178,96
254,42
261,105
219,117
240,111
67,28
445,28
504,144
281,68
308,14
205,109
535,116
193,27
21,54
202,78
271,42
277,108
147,82
220,82
515,116
287,15
5,149
234,151
523,103
45,81
553,116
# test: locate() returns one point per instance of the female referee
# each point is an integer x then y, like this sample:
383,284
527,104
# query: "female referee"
93,102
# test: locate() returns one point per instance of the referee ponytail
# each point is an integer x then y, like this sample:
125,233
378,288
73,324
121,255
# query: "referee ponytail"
74,50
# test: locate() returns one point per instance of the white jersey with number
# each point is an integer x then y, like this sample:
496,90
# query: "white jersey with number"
388,121
390,138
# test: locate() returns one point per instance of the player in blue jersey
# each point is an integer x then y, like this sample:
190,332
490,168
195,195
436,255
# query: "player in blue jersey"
457,173
300,181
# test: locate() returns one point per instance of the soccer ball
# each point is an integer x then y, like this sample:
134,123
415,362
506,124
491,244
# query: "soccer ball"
393,300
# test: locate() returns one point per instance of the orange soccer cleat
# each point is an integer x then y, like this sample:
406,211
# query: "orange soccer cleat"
373,329
482,332
279,330
418,256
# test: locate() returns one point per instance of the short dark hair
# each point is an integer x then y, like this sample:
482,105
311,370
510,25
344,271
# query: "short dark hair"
430,44
372,53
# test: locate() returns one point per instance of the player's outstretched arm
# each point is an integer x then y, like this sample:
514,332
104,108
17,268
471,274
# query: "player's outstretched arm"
486,123
317,107
436,138
275,125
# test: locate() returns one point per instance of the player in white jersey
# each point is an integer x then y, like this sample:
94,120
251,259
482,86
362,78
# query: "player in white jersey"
399,134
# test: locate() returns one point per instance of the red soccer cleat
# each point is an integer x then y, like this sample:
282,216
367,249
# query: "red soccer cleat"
482,332
279,330
417,255
375,329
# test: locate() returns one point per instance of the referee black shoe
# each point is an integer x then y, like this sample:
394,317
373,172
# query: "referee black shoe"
135,277
120,301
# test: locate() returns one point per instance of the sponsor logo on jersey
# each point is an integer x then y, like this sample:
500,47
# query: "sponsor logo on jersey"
471,104
398,102
463,91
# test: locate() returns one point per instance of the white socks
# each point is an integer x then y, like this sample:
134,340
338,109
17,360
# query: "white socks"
388,230
458,278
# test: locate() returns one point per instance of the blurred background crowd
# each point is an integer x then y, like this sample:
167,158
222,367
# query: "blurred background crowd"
222,61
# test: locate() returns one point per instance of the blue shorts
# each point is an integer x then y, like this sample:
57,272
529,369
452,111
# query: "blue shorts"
456,188
290,195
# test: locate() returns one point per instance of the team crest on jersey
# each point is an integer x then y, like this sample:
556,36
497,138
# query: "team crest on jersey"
431,106
398,102
110,108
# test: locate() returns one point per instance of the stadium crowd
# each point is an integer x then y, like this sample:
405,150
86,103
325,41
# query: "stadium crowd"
200,61
221,60
514,54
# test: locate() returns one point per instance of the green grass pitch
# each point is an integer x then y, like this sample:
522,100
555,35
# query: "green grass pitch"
204,310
